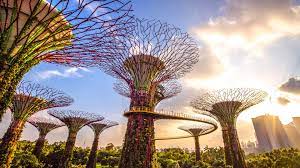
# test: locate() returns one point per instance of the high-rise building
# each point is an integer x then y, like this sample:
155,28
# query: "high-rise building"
270,133
292,134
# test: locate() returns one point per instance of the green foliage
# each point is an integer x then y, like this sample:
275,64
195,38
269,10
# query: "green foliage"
287,158
166,158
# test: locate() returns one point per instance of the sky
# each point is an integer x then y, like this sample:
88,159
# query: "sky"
244,43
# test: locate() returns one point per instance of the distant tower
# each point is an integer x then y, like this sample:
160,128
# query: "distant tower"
293,134
270,133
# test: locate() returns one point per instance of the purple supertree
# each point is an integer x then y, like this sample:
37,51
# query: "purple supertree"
225,106
44,126
153,53
74,120
69,32
97,127
28,99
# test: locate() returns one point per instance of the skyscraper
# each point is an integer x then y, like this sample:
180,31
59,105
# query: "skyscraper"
293,134
270,133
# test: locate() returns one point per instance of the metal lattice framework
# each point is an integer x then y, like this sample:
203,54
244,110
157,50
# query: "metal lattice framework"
197,129
226,104
99,126
75,119
31,98
28,99
164,91
44,125
69,32
61,31
153,53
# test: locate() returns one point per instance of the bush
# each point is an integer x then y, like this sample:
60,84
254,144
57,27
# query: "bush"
25,160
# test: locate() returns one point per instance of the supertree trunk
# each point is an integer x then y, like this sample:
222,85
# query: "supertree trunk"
9,142
197,148
139,147
236,150
39,145
66,158
93,155
227,149
9,81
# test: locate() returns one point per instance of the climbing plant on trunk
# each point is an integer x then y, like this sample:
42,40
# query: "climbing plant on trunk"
225,106
152,54
68,32
74,120
44,126
97,127
29,99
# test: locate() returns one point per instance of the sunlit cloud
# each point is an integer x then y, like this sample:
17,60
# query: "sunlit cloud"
69,72
249,25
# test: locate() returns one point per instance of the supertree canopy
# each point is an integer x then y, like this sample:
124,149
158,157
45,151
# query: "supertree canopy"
69,32
164,91
28,99
196,131
44,126
153,53
225,106
74,120
97,127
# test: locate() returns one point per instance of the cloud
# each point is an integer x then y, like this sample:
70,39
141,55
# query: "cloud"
291,86
283,101
209,66
250,25
70,72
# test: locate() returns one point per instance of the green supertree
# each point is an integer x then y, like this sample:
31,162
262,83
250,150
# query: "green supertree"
153,53
29,99
44,126
97,127
68,32
74,120
225,106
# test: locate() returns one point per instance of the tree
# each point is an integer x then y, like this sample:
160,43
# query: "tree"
29,99
74,120
65,32
152,54
225,106
97,127
44,126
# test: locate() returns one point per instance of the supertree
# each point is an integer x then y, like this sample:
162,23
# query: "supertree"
29,99
74,120
44,126
97,127
152,54
69,32
196,131
225,106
